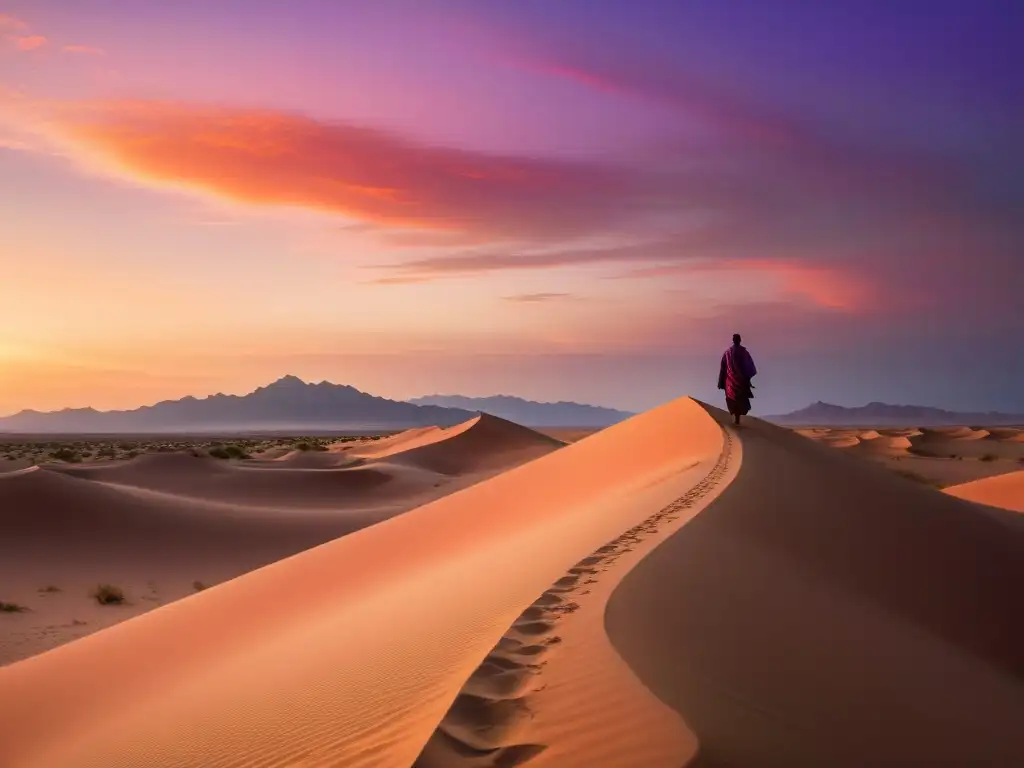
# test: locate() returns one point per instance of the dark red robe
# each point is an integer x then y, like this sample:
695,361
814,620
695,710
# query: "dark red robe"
734,377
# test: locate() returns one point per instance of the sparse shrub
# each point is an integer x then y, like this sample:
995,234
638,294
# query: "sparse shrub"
66,454
49,589
11,607
304,446
198,586
108,594
989,457
106,452
228,452
165,449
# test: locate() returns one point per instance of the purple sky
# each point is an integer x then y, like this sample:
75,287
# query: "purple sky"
573,200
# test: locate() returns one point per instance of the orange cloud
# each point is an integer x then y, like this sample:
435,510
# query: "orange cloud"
536,298
265,157
828,287
30,42
86,49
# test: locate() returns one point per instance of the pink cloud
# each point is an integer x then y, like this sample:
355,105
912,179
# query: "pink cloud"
29,42
84,49
829,287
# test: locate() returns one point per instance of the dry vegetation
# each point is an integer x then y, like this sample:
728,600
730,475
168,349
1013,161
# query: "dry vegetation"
30,451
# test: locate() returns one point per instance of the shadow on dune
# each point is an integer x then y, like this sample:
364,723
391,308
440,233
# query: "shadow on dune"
823,611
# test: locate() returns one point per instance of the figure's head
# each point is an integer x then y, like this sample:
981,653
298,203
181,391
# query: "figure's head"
736,338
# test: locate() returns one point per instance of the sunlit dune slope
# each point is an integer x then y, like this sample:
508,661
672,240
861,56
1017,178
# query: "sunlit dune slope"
350,653
1006,491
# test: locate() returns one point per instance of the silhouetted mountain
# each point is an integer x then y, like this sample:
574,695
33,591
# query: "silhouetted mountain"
883,414
287,404
530,413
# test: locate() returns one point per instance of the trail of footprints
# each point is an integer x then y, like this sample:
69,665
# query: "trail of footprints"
484,725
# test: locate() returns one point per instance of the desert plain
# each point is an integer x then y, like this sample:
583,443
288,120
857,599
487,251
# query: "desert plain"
668,591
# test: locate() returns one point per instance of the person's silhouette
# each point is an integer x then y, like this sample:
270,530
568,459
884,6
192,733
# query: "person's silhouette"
734,377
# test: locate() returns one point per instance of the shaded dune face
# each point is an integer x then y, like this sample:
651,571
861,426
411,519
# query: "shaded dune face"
481,444
824,612
51,520
248,483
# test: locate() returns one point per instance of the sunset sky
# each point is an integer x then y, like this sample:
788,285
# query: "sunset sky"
565,199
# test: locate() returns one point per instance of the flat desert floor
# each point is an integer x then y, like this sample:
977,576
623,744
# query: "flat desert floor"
668,591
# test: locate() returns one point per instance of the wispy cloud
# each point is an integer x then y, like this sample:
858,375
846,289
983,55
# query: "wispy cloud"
829,287
536,298
88,50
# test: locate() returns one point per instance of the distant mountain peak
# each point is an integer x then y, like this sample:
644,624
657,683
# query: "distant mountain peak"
286,381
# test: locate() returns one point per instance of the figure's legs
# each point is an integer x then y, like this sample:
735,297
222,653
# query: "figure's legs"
736,419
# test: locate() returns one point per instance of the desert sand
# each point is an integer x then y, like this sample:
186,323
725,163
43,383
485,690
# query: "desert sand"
936,456
667,591
161,526
1005,491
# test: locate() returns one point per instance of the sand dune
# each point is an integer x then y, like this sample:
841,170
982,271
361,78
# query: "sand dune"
1006,491
939,456
158,524
825,612
660,593
480,444
68,533
255,483
351,652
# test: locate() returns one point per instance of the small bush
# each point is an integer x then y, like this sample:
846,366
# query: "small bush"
219,453
989,457
49,589
11,607
198,586
108,594
66,454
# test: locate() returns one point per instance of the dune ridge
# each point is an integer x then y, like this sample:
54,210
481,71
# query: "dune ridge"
822,611
353,650
562,711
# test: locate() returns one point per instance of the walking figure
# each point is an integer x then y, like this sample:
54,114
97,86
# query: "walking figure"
734,377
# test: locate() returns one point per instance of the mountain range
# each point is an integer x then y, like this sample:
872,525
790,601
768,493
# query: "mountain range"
883,414
530,413
290,404
287,404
